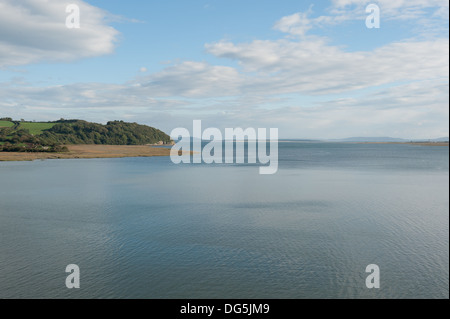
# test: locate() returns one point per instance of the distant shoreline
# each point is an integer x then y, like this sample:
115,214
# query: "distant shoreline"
355,142
89,152
408,143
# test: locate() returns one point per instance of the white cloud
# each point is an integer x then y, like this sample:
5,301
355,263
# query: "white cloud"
393,5
414,11
300,23
296,24
193,79
395,9
313,67
35,31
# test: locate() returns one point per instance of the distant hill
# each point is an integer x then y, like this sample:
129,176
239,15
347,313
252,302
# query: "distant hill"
370,139
440,139
50,136
386,140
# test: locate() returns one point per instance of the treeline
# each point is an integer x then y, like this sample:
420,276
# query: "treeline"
21,140
113,133
29,147
66,132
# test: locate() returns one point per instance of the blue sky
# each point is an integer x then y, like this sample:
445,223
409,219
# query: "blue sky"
312,69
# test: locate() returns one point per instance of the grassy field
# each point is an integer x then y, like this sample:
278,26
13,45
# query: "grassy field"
36,128
6,124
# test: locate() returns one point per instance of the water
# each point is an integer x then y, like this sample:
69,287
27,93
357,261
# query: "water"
146,228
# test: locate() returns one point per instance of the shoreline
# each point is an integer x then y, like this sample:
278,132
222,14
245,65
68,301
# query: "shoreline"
88,152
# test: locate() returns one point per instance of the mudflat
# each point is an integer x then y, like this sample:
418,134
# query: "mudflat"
89,151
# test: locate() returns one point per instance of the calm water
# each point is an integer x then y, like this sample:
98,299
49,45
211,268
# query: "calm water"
146,228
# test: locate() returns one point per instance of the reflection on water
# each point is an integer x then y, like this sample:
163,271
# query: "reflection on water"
146,228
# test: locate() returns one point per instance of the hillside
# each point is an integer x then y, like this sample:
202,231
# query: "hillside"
17,136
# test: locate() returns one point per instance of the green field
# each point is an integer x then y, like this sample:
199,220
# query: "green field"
36,128
6,124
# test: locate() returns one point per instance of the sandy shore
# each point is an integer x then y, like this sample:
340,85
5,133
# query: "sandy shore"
90,151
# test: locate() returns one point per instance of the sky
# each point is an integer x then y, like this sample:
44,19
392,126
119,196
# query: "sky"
312,69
